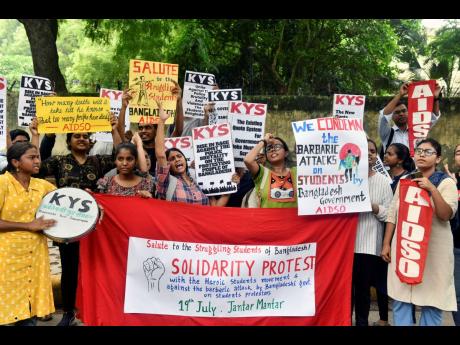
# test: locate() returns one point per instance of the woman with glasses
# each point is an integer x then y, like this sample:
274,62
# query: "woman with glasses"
455,226
275,187
436,292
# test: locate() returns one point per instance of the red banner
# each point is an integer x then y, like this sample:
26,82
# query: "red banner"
104,256
412,232
420,106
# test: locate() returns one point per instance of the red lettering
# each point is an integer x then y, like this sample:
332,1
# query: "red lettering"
175,267
259,109
105,93
223,129
197,133
359,100
349,99
339,99
235,107
248,107
2,83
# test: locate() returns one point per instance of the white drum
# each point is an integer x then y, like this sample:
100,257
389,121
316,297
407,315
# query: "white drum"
76,213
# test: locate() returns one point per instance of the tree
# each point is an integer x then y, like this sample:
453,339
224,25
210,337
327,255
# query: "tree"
42,35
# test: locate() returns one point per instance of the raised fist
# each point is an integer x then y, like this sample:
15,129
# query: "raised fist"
153,270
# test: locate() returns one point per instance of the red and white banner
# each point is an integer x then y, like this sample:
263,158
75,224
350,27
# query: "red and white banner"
420,105
184,247
412,232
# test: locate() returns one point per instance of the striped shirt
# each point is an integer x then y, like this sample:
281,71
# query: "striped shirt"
369,236
184,193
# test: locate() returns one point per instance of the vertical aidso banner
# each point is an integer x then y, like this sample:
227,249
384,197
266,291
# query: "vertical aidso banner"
412,232
3,114
419,106
221,99
196,87
151,81
248,126
212,148
115,97
31,87
332,166
348,106
219,280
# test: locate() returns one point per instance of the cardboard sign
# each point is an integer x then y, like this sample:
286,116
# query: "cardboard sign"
115,107
152,81
378,167
332,166
219,280
212,147
31,87
221,100
73,114
348,106
248,128
3,114
196,87
419,106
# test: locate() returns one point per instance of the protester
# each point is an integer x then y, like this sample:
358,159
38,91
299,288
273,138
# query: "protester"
455,226
174,182
147,131
368,267
396,109
78,170
126,182
25,280
276,187
436,292
397,158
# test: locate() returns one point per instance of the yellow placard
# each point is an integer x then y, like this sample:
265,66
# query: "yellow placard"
151,81
73,114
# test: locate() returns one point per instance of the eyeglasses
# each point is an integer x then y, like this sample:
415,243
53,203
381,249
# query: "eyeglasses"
275,147
427,152
401,111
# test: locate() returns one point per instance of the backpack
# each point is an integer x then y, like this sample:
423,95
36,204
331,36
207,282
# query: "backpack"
252,198
390,138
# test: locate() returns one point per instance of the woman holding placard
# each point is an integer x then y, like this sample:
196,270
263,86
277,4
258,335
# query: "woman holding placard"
409,283
25,279
174,182
78,170
276,187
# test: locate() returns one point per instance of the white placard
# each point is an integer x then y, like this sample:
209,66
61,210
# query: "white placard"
31,87
196,87
3,114
212,148
221,100
332,166
348,106
248,126
379,167
219,280
115,107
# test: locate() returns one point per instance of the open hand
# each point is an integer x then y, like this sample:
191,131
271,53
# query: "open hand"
161,112
40,223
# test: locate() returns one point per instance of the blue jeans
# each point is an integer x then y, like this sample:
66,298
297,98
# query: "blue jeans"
456,314
402,315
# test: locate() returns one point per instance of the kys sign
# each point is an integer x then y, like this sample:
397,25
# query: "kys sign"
412,232
75,211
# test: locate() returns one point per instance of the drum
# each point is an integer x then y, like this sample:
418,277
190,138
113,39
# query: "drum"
76,213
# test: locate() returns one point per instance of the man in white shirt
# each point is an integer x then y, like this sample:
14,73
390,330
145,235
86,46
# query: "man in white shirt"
396,110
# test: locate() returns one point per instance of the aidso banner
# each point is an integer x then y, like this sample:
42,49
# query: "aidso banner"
419,106
31,87
212,148
115,97
332,166
348,106
221,100
196,87
151,81
153,262
248,126
3,114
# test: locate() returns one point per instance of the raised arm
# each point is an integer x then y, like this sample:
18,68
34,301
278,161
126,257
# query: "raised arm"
33,128
437,93
179,119
392,104
141,161
127,96
160,137
115,134
250,159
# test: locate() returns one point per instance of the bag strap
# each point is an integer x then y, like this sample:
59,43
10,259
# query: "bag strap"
171,187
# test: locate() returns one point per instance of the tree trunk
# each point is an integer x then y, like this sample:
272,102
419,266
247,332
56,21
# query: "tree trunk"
42,35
